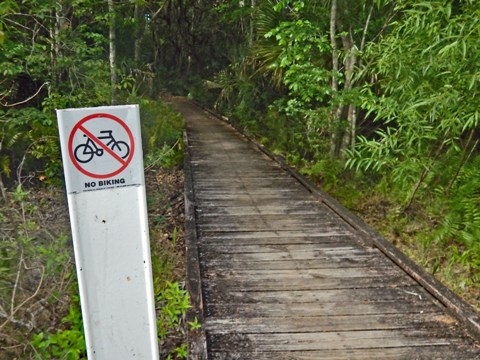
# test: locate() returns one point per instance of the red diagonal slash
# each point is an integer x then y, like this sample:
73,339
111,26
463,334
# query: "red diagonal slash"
102,145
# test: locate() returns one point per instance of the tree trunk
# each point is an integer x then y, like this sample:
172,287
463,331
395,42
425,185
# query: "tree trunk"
113,51
336,114
467,152
348,134
56,49
251,35
139,32
423,176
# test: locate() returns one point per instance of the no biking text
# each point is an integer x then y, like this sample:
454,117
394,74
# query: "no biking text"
101,183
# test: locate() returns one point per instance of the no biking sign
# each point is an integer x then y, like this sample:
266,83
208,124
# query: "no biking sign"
99,147
103,166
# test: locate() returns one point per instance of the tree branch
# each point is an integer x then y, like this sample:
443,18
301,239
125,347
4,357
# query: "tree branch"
26,100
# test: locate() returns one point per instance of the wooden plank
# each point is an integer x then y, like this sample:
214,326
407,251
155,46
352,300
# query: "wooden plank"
247,167
262,200
228,180
292,324
279,342
206,172
310,310
457,352
265,191
300,209
197,343
290,275
250,186
300,283
258,197
273,235
279,238
339,263
273,181
327,254
370,295
269,222
230,248
319,219
223,162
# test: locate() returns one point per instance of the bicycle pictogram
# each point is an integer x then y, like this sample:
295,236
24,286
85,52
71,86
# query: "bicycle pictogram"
85,152
101,145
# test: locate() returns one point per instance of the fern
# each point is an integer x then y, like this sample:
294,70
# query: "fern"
460,226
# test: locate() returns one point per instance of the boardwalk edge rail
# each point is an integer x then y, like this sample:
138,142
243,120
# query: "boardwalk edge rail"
454,305
197,343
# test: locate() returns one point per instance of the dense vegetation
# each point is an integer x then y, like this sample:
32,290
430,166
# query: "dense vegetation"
377,100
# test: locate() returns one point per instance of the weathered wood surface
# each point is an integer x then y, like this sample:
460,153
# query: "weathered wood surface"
283,276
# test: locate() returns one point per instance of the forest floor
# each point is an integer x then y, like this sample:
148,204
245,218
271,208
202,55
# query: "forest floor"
406,232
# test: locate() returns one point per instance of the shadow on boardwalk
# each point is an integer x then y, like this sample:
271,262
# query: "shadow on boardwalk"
278,270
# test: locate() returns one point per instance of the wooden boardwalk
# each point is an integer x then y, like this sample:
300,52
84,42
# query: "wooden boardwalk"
278,270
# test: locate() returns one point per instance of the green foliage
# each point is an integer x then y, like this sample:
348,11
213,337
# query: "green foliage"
303,56
35,267
242,95
459,221
52,57
194,325
327,172
425,144
173,303
28,254
180,352
30,142
428,73
162,131
160,124
68,343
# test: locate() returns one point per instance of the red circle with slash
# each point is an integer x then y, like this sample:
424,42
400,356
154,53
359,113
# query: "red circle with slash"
80,128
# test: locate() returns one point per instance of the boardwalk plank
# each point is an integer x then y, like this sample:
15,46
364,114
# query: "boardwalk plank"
333,254
302,221
305,283
317,309
231,248
339,263
319,324
370,295
273,235
280,238
270,222
207,203
279,342
417,353
300,209
290,275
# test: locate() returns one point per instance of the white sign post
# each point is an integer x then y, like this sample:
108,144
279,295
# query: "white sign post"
103,165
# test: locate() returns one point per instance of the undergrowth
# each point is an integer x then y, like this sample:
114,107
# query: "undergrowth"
440,231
